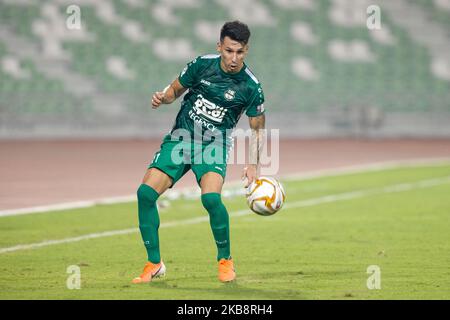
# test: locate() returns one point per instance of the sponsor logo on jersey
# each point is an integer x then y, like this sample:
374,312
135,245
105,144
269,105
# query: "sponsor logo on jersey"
205,82
208,125
208,110
229,94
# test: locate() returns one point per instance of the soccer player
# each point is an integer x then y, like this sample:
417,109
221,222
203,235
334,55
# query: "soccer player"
220,88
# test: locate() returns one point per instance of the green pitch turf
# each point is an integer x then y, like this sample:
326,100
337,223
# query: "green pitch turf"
311,249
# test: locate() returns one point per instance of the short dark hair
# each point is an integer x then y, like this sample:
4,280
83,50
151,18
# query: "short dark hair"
236,31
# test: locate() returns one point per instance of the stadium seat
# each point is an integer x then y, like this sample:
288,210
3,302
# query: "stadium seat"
315,56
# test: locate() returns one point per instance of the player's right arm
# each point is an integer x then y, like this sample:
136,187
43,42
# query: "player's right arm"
187,78
168,95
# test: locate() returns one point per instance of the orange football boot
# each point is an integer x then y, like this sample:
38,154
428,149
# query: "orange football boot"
226,270
151,270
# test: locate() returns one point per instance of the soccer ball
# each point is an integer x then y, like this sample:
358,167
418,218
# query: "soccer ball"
265,196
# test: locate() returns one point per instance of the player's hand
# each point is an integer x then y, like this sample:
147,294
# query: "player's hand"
250,173
157,99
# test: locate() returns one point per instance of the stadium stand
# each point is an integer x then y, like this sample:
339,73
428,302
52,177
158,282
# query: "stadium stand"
317,61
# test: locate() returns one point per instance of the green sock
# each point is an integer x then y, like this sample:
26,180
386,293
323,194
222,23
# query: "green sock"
149,221
219,221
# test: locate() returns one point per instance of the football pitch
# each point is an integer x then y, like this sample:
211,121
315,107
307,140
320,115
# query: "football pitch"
379,234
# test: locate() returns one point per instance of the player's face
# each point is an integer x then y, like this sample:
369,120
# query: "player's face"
233,54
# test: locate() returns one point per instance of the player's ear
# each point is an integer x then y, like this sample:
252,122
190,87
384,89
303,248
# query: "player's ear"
219,46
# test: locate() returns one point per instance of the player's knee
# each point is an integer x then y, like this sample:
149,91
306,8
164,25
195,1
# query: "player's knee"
211,201
147,194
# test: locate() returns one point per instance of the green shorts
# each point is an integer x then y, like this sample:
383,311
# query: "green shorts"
175,158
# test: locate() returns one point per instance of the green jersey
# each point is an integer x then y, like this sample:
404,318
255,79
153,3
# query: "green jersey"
216,99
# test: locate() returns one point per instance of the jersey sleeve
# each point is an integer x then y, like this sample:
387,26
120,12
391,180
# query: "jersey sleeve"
256,103
188,75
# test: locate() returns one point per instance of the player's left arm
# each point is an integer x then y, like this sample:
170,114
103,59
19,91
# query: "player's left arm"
257,138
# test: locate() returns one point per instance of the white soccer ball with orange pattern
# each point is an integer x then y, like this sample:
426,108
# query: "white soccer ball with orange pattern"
265,196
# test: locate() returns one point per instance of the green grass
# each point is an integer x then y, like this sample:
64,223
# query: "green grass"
314,252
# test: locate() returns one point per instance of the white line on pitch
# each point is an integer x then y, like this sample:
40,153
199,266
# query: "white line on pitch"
66,206
296,176
297,204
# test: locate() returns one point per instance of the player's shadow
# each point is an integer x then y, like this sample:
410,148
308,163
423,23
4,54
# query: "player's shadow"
238,289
